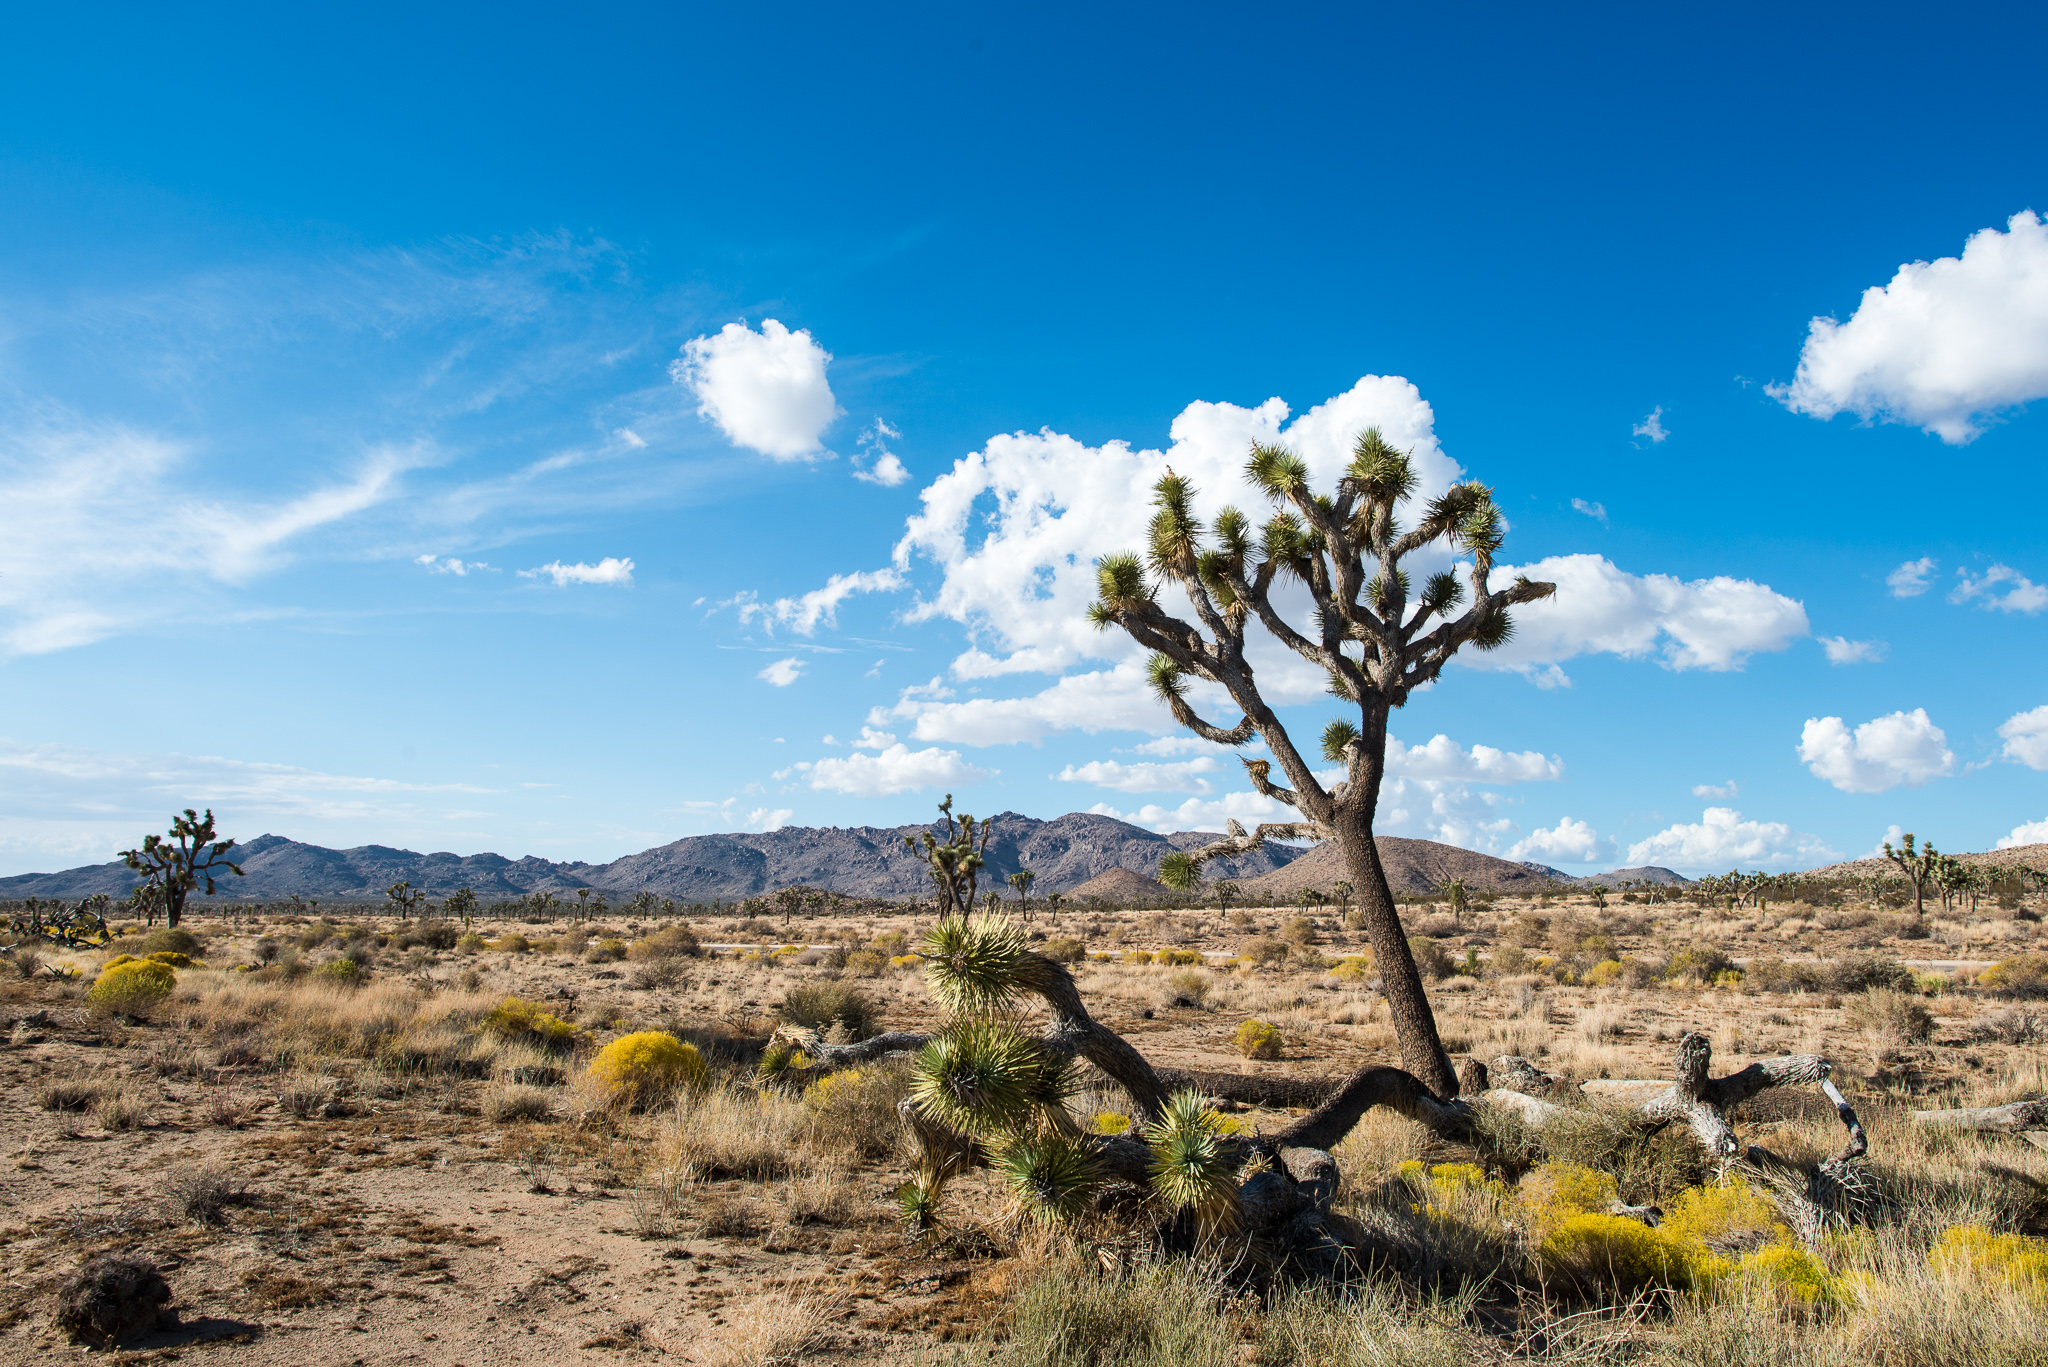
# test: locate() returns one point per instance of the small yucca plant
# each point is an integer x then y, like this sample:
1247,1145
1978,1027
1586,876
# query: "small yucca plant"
1189,1166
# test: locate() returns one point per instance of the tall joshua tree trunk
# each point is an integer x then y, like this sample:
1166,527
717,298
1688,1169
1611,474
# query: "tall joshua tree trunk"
1422,1052
1375,642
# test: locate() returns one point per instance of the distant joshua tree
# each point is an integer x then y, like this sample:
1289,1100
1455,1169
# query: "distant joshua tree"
1022,880
178,863
1918,868
1375,640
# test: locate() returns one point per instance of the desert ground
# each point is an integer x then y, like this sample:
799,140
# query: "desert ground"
370,1140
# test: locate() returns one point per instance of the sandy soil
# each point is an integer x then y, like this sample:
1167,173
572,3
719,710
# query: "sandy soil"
397,1224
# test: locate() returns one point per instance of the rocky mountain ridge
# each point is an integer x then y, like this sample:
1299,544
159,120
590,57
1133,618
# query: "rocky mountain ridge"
860,861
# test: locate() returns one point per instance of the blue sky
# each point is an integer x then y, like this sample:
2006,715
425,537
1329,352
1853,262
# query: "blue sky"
510,429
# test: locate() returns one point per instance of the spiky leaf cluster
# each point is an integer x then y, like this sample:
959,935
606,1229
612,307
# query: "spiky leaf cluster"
981,1074
1188,1165
1052,1177
971,964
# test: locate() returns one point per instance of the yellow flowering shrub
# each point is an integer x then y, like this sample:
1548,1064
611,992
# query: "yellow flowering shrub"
1727,1213
521,1020
1977,1251
832,1086
1179,958
171,958
1110,1122
1353,968
1796,1276
1258,1039
906,961
1605,972
1556,1191
1611,1252
131,988
641,1067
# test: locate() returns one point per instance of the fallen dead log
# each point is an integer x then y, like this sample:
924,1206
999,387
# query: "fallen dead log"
2016,1118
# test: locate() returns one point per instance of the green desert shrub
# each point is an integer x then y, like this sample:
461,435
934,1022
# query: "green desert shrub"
1863,972
1259,951
166,940
1064,949
1432,960
820,1005
606,951
472,943
1892,1019
670,942
2025,975
512,942
854,1110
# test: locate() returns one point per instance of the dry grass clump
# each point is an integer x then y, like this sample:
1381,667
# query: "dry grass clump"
853,1110
508,1105
770,1330
1888,1018
202,1192
823,1005
729,1132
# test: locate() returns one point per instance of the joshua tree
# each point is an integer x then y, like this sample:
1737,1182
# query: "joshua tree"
1375,641
404,897
178,863
1225,890
1022,880
1052,904
461,903
1453,891
1918,868
791,900
1342,889
955,863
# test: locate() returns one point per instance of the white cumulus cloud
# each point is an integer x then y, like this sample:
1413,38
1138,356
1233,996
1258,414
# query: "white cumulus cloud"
783,673
1179,777
1651,427
610,570
1944,346
897,769
2022,595
804,614
766,390
1902,748
1715,623
1843,651
1722,791
2028,833
1572,842
1721,839
1910,579
769,819
1596,511
1443,758
2026,738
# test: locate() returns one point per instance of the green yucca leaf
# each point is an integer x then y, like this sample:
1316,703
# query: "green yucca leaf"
1448,511
1338,688
1383,593
1179,870
1442,593
1384,473
1495,631
1213,566
1336,736
1051,1177
1120,582
1276,470
1165,677
1187,1166
1172,537
1233,533
1480,530
978,1074
918,1205
971,966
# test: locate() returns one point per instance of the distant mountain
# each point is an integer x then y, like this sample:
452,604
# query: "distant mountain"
1411,866
1647,873
861,861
